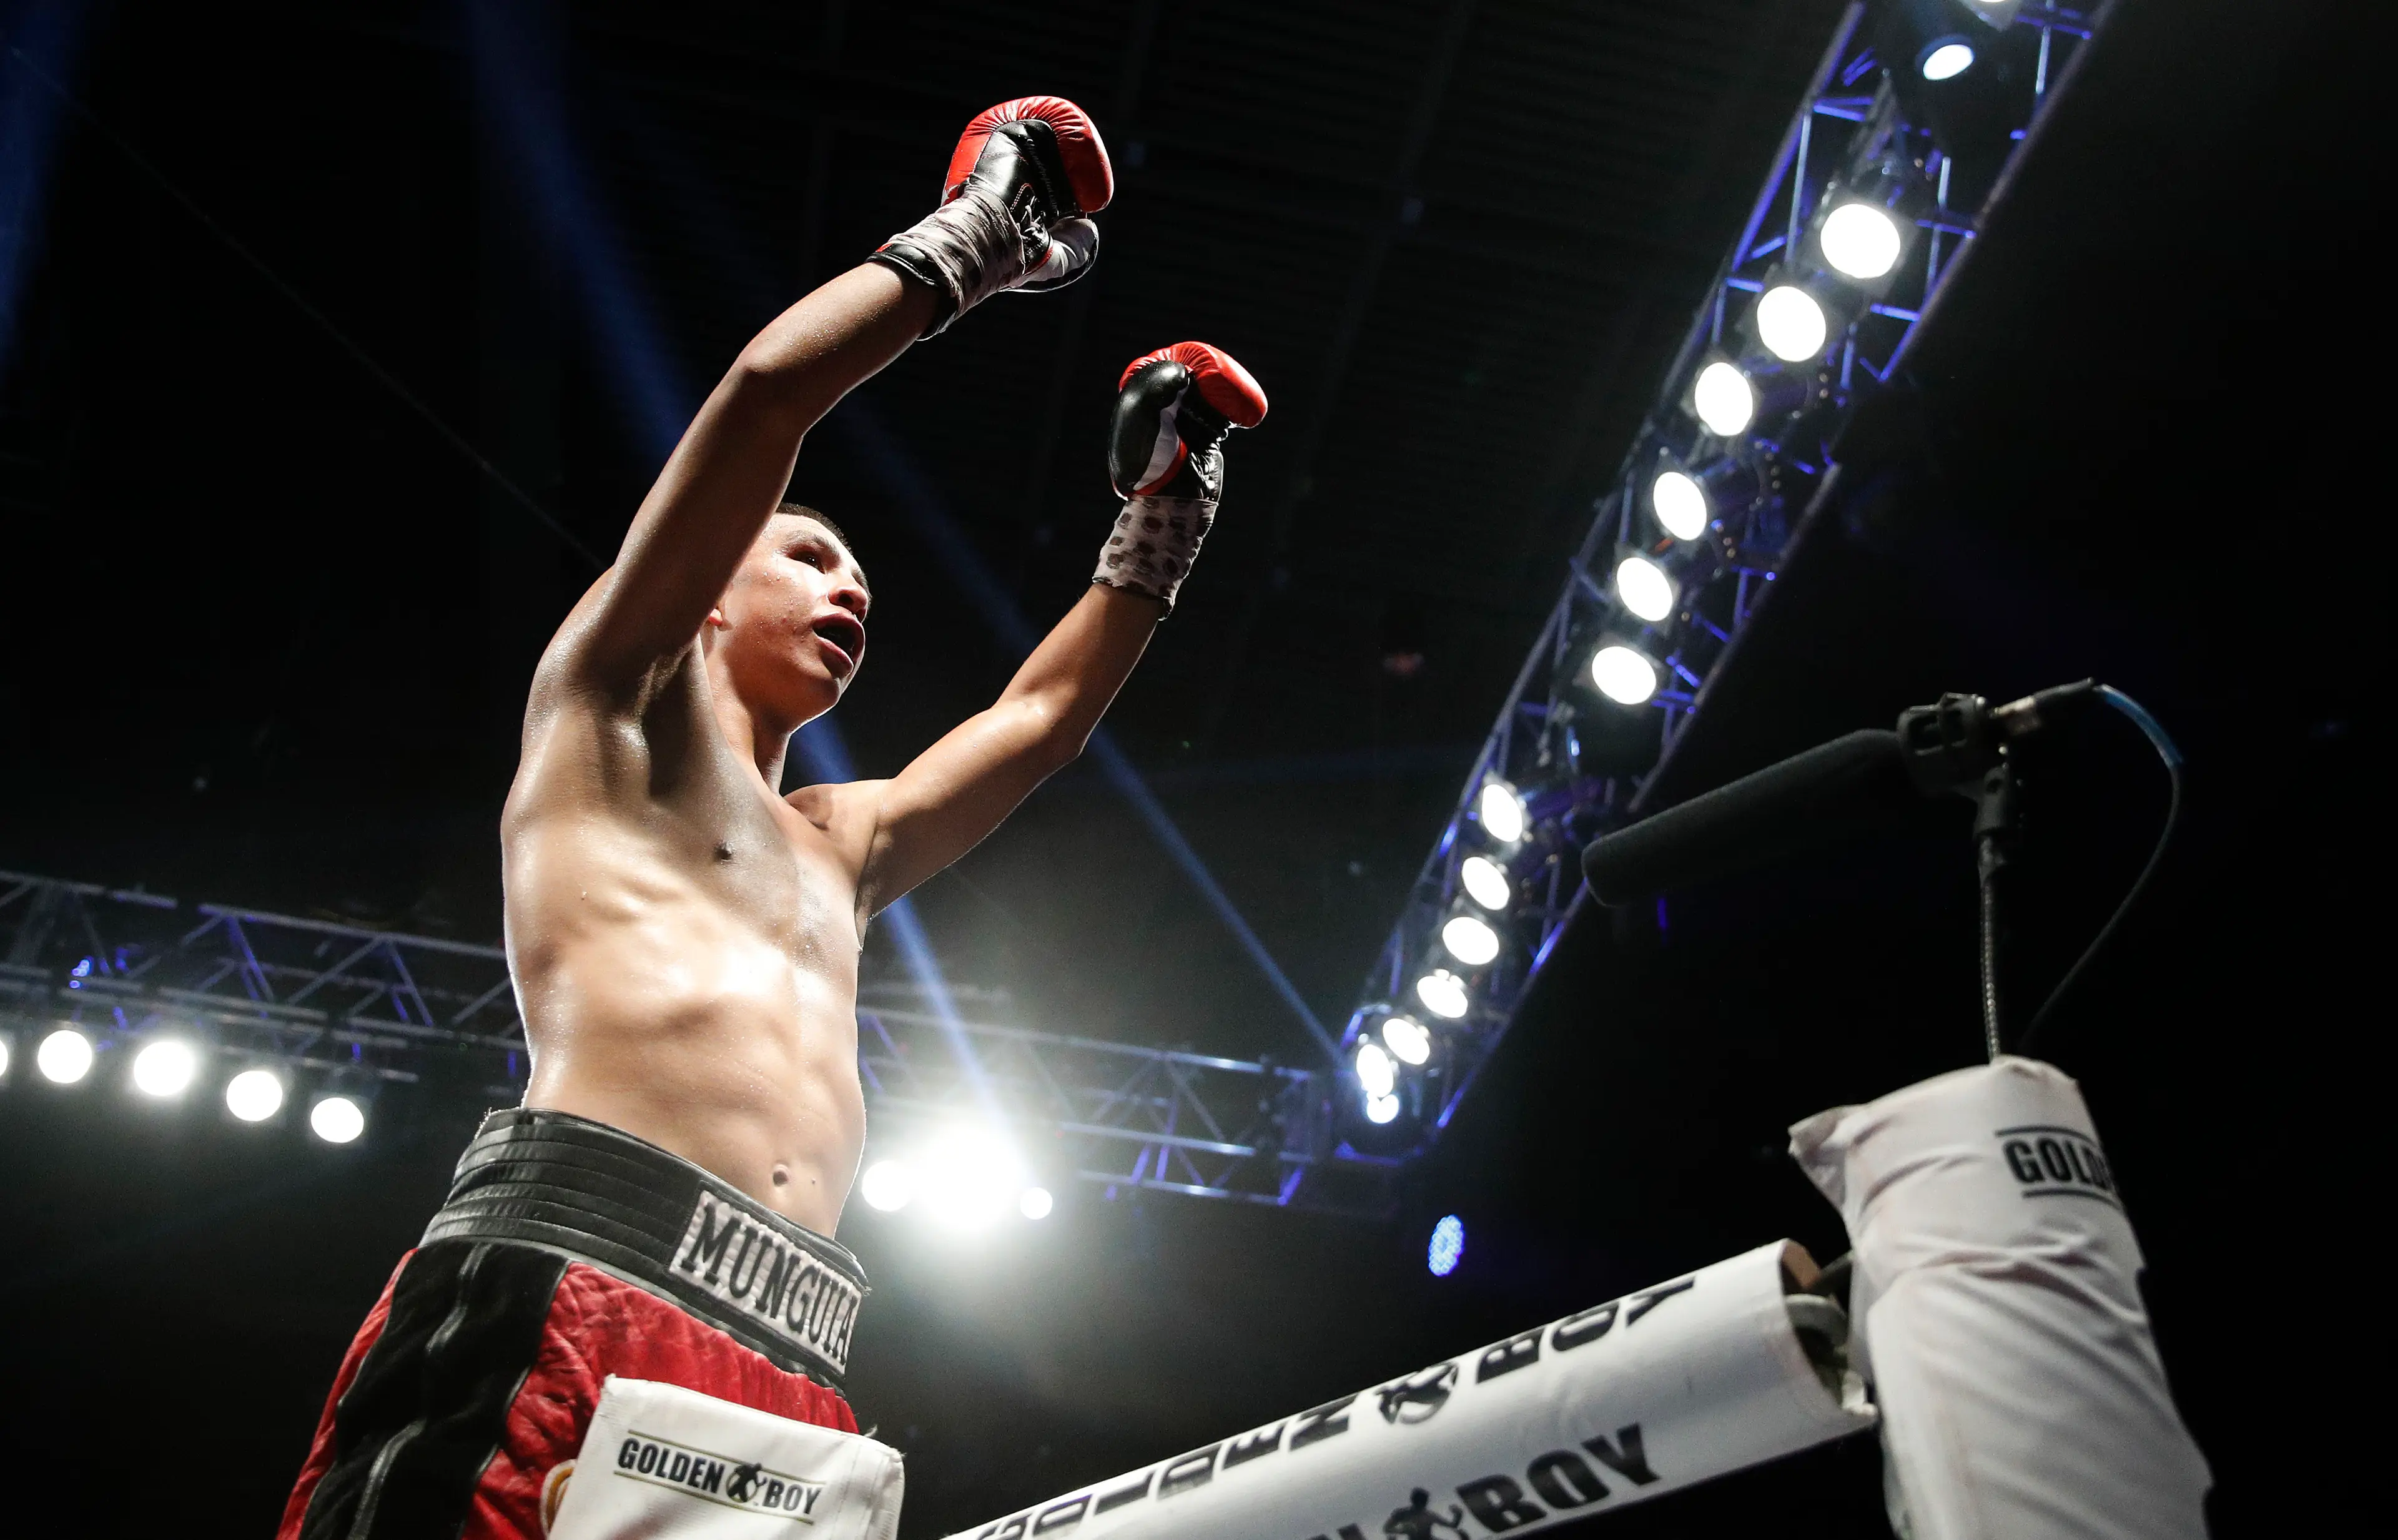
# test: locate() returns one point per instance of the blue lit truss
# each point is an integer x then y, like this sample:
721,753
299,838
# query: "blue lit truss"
368,1012
1575,760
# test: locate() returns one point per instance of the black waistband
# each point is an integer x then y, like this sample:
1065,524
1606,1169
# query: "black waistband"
599,1195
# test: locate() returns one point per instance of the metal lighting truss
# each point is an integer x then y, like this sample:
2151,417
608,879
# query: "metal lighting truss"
341,1006
1576,758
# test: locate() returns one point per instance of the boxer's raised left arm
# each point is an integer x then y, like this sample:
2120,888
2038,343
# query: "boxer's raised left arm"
1174,408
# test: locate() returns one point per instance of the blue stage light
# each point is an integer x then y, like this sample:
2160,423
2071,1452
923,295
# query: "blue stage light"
1447,1246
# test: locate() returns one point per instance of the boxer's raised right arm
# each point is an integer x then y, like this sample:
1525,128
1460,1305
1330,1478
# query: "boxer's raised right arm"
728,474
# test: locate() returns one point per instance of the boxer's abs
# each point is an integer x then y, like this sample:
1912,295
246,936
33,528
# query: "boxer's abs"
708,1007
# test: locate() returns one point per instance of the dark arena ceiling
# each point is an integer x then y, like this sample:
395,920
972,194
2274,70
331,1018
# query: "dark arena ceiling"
269,628
1457,243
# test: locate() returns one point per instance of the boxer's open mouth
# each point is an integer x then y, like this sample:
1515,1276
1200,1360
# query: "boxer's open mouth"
845,635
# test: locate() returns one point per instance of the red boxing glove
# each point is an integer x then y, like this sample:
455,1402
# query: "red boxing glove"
1014,213
1174,408
1090,180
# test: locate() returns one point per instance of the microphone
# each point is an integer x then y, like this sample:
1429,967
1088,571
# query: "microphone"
1816,796
1805,799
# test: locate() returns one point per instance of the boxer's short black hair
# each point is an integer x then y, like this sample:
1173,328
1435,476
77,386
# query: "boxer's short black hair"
803,511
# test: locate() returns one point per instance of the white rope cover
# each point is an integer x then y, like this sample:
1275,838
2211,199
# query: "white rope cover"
1999,1316
1640,1396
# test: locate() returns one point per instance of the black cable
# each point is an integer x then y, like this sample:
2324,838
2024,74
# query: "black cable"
1990,1039
2171,754
364,359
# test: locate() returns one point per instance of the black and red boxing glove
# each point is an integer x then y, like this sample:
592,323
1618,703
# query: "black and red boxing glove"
1015,208
1166,455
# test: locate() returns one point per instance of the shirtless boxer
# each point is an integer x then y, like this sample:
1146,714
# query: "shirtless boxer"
684,942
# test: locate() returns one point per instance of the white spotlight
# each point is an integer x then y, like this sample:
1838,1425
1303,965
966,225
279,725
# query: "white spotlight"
1375,1069
887,1185
1724,400
1470,939
1484,882
1681,504
970,1176
254,1095
1946,61
1791,324
1406,1038
1860,241
1443,993
165,1067
1644,588
337,1120
1035,1203
64,1056
1501,810
1382,1108
3,1059
1622,675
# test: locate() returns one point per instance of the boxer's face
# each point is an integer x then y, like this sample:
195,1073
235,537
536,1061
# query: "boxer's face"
790,630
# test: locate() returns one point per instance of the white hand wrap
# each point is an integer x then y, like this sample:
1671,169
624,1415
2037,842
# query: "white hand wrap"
973,246
1155,541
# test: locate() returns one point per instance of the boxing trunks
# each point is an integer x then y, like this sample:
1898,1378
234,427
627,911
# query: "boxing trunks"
596,1337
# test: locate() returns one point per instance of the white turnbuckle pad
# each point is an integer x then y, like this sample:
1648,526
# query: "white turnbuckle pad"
1997,1313
662,1461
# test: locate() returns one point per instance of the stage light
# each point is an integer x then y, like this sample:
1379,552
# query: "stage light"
5,1043
1946,59
254,1095
1860,241
1791,325
165,1067
1447,1246
1035,1203
969,1178
1644,588
1443,993
1503,812
1382,1108
1484,882
887,1185
1376,1071
1409,1040
1686,499
1681,506
1470,939
337,1120
1724,400
1623,674
65,1057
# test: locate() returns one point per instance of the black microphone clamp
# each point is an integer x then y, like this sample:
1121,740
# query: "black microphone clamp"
1953,744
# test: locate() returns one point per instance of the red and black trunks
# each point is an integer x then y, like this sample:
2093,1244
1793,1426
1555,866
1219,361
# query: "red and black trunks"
567,1252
